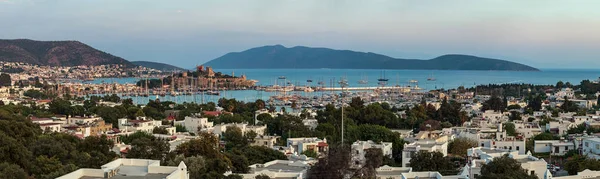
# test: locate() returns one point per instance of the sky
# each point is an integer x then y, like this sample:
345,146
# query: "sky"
185,33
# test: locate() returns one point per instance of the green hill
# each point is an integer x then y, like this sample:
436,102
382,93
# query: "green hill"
278,56
55,53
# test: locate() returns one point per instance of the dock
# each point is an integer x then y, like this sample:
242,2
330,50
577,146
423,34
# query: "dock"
399,88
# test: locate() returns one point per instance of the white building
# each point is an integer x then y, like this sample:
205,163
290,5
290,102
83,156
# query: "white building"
299,145
387,172
425,141
585,174
131,168
359,147
591,147
482,155
554,147
143,125
279,169
267,141
193,123
310,123
219,129
527,129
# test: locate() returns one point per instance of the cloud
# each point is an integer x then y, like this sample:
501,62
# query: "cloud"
179,11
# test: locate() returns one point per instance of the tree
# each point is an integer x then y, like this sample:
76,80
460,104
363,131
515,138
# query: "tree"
233,137
180,128
59,106
5,79
560,85
459,146
148,148
261,154
334,165
239,162
195,165
504,167
140,113
430,125
514,115
569,106
160,130
8,171
509,127
432,161
357,103
535,104
513,107
373,160
494,103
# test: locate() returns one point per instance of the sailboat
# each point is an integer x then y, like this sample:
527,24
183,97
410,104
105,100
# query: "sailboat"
383,79
363,80
431,78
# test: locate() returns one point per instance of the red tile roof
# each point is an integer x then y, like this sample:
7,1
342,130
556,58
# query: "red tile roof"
212,113
322,144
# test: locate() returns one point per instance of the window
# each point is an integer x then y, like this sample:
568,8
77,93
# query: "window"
566,147
482,144
517,147
586,144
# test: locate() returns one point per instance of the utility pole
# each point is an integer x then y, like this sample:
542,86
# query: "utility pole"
343,83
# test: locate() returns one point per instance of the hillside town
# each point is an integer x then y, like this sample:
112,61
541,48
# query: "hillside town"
547,131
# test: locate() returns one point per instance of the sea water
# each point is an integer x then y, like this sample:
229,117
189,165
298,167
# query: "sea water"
445,79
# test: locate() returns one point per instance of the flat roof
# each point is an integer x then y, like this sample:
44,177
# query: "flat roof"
283,167
147,176
393,172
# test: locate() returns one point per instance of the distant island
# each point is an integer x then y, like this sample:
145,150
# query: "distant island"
55,53
158,66
278,56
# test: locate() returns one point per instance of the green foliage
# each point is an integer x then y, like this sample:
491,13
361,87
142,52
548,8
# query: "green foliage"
459,146
504,167
334,165
180,128
509,127
35,94
196,165
494,103
127,139
160,130
569,106
514,106
5,79
287,126
148,148
579,163
514,115
261,154
9,171
234,138
433,161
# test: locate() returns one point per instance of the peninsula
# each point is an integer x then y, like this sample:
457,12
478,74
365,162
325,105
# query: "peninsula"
278,56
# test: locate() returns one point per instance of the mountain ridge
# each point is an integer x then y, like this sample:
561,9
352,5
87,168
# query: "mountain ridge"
279,56
55,53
